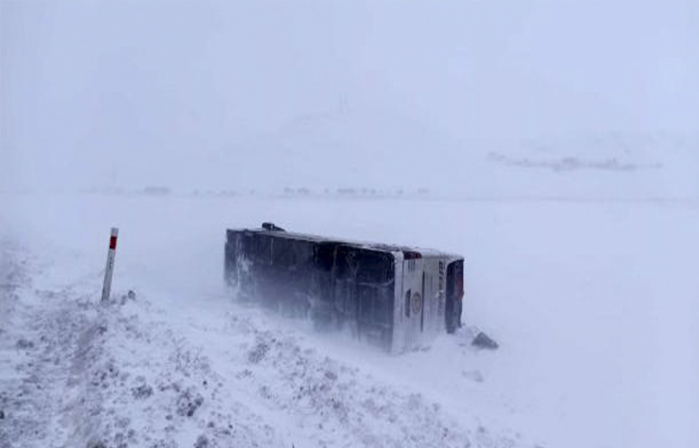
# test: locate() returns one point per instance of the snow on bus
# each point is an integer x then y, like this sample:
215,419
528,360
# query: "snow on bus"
398,298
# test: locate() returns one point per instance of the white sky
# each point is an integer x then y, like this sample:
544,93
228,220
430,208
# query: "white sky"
140,92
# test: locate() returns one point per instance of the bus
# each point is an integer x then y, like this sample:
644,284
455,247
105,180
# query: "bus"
399,298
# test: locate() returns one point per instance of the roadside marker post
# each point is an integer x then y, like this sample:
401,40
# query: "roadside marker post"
109,270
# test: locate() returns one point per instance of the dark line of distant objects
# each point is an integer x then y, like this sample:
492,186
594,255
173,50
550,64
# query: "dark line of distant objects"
397,195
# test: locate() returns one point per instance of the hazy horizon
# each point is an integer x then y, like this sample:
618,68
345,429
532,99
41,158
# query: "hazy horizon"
229,94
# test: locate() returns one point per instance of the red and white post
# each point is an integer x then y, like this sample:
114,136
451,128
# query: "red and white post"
110,265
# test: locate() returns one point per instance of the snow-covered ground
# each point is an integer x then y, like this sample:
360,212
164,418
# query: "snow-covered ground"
594,304
554,144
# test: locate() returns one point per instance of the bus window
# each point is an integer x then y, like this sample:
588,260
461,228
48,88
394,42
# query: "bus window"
455,293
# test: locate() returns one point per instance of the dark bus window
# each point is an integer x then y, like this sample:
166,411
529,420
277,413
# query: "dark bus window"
345,263
263,249
455,280
325,255
407,303
374,267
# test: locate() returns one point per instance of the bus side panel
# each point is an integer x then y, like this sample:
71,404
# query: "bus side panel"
398,330
238,263
433,320
363,293
230,271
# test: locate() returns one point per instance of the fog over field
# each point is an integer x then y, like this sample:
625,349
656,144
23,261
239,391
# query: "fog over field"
317,94
554,145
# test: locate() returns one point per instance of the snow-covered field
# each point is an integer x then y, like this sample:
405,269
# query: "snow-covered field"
553,144
594,304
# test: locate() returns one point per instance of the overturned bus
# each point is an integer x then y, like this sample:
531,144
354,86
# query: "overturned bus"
396,297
